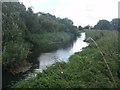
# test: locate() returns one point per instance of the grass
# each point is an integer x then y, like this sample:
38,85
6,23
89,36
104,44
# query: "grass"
51,40
85,69
105,60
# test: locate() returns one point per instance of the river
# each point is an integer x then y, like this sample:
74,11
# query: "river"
47,59
63,54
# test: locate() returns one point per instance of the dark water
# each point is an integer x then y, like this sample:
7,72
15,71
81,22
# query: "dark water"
8,78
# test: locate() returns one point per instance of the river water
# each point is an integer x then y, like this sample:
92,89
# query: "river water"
47,59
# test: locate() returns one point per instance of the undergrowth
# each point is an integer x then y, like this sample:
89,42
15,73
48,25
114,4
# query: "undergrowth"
85,69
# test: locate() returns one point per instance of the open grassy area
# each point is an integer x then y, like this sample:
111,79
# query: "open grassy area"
86,69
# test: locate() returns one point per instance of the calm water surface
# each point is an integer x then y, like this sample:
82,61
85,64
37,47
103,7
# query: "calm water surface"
47,59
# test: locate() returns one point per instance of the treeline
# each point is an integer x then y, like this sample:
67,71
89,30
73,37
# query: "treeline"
104,25
22,30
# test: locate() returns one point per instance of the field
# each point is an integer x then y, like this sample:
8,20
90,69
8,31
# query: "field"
97,66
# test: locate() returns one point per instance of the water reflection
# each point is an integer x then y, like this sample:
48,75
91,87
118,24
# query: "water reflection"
46,59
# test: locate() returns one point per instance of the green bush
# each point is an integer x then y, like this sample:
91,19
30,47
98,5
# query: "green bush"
15,51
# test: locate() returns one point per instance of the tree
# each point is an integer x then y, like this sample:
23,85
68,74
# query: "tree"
103,24
80,27
87,27
115,23
20,26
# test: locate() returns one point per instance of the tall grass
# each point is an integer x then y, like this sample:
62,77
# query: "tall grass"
86,69
89,38
107,45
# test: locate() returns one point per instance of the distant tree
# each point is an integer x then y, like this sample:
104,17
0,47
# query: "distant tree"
30,11
80,27
103,24
87,27
32,21
115,23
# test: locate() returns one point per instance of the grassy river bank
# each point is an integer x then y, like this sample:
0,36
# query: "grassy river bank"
86,69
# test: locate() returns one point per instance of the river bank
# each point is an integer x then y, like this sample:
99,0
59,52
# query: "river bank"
23,67
85,69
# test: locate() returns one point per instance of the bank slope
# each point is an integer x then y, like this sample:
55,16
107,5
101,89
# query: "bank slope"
85,69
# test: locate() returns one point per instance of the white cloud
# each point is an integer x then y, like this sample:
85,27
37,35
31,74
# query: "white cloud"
81,12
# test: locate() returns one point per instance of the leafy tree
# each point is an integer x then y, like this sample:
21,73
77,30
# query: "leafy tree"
80,27
103,24
32,21
23,29
87,27
115,23
14,46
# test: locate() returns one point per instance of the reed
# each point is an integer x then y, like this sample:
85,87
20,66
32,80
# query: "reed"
105,60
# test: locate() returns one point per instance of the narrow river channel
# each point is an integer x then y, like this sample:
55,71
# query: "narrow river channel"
47,59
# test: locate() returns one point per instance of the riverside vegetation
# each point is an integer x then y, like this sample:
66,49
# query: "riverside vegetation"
85,69
24,31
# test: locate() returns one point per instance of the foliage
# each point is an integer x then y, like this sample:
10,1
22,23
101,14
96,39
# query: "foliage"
14,46
103,24
80,27
106,25
52,39
85,69
115,23
15,51
24,30
87,27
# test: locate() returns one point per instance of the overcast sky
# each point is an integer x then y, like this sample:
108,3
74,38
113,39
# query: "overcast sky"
81,12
